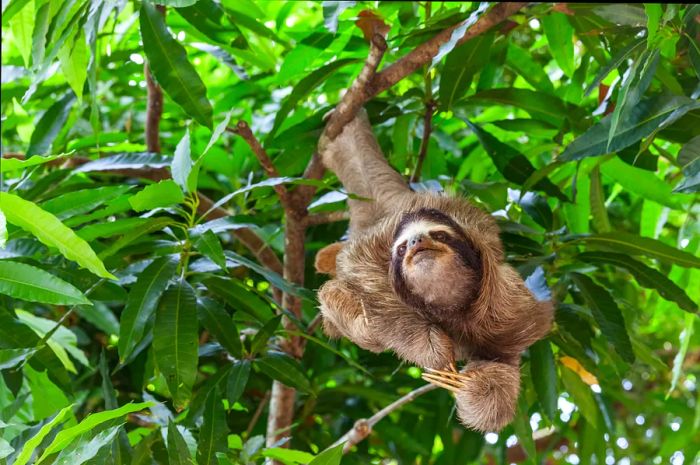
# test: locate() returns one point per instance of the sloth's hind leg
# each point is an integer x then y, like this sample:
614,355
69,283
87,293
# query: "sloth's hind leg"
486,393
343,314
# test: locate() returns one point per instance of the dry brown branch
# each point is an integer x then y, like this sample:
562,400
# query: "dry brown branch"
363,427
256,415
330,217
243,130
314,170
154,111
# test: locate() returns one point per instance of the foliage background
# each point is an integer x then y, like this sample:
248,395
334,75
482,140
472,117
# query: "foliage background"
576,125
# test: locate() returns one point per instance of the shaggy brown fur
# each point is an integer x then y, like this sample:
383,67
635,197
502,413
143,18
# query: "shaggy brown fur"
360,303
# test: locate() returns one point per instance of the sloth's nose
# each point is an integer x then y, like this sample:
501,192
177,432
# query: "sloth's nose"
415,240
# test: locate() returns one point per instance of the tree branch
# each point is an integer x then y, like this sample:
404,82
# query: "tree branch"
324,218
243,130
363,427
427,130
154,106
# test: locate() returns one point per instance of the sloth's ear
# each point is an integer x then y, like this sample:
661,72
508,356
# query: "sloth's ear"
325,258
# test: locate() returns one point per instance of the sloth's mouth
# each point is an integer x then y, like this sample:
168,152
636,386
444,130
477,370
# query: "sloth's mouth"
421,250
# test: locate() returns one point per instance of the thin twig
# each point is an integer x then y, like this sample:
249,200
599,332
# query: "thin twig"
427,130
256,415
243,130
330,217
313,324
363,427
314,170
154,105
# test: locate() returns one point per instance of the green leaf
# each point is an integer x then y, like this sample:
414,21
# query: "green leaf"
645,276
73,57
175,341
691,181
169,64
544,377
220,324
178,453
50,231
112,228
213,432
163,194
331,456
240,297
87,447
237,380
634,245
688,153
31,444
685,337
288,455
154,224
16,164
5,448
182,162
643,183
539,105
537,207
522,62
461,65
142,302
9,358
654,12
582,396
627,14
126,161
597,201
208,243
282,367
615,61
264,334
51,122
21,28
82,201
33,284
523,430
512,164
560,36
304,88
65,437
607,314
642,119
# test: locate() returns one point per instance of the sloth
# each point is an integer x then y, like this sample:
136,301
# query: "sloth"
423,275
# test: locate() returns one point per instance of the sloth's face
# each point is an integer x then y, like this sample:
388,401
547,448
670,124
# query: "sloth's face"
433,264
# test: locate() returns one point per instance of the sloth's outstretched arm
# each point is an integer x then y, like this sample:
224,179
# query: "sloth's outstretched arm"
486,393
355,157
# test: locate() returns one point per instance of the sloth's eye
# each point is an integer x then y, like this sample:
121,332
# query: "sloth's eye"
401,250
439,236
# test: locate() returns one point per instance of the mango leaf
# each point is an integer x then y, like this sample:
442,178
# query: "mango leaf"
50,231
599,213
126,161
688,153
16,164
691,181
289,455
282,367
635,245
264,334
237,380
213,432
645,276
154,224
685,338
163,194
523,431
48,127
615,61
582,395
537,207
304,88
175,341
627,14
539,105
178,453
82,201
512,164
208,243
544,376
141,303
169,64
331,456
458,32
461,65
87,447
32,443
33,284
654,12
112,228
220,324
606,313
65,437
642,119
240,297
522,62
182,162
560,36
9,358
74,63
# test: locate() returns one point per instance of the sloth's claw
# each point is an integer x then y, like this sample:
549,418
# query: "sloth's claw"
451,380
